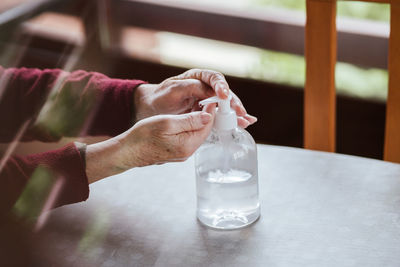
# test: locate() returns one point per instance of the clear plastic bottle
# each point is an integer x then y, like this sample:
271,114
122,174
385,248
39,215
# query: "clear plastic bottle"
227,173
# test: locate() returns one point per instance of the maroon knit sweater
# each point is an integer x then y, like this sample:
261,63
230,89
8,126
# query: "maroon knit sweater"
70,104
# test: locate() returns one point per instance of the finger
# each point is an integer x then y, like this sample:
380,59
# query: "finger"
212,78
237,105
242,122
196,138
193,89
188,122
198,89
210,108
251,119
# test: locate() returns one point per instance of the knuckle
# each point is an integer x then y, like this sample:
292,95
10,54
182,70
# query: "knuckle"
192,122
164,124
218,78
192,82
195,70
217,75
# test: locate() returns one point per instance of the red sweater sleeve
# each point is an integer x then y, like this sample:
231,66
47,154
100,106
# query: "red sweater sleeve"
45,180
54,103
58,103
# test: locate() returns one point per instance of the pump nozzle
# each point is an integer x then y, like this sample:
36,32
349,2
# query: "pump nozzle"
223,104
226,118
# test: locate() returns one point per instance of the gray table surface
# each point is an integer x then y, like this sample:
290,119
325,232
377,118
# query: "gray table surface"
317,209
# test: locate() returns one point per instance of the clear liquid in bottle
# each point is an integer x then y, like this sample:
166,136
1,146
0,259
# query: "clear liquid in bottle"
227,180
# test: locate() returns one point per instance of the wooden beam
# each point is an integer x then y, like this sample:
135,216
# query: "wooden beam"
278,30
375,1
28,9
319,95
392,130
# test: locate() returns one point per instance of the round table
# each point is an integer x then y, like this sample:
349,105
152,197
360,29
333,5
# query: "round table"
317,209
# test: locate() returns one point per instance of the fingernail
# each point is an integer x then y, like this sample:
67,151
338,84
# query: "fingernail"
205,117
251,118
226,92
244,123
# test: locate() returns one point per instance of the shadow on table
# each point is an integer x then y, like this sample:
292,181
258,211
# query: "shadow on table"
109,237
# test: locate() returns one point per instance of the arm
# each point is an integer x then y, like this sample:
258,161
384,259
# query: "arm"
28,181
153,140
57,103
54,103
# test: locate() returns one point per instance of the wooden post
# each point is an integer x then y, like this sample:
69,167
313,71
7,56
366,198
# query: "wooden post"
99,34
392,131
319,95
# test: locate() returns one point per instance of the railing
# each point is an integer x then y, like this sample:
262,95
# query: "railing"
361,43
358,42
320,97
12,17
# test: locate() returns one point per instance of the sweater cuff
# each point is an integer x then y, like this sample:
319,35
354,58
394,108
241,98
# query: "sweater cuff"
67,170
116,110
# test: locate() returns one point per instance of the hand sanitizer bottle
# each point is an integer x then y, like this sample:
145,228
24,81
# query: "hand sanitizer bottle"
227,173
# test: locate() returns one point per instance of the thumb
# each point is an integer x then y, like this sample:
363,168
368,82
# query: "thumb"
189,122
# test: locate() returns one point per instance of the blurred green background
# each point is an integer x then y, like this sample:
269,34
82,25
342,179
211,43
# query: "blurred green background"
362,10
277,67
350,80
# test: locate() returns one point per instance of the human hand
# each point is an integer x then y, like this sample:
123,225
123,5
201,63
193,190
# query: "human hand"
154,140
181,94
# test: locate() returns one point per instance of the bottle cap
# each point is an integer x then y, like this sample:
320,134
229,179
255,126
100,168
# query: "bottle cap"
225,119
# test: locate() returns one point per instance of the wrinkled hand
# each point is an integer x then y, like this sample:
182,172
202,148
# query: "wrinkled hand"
174,136
154,140
181,94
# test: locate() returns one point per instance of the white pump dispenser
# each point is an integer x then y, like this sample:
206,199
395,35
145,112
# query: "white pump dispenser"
225,118
227,172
